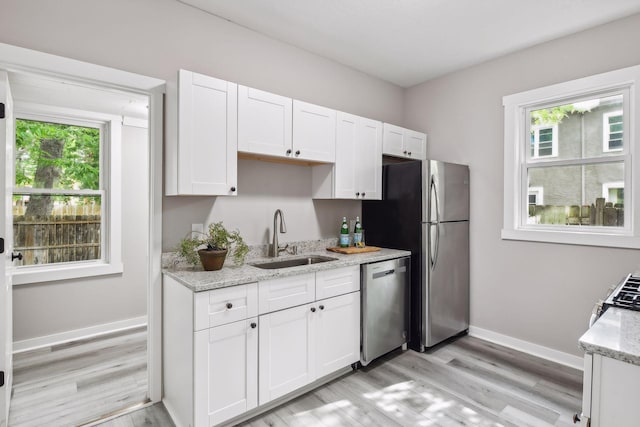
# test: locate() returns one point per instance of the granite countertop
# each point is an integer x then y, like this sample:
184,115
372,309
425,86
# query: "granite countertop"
616,334
199,280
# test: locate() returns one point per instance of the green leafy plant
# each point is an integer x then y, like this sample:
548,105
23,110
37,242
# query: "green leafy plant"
216,238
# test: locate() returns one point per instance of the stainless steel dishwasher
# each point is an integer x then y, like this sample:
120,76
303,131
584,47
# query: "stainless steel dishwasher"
385,307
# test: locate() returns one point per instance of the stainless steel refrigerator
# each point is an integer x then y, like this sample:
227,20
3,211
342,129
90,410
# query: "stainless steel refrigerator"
425,209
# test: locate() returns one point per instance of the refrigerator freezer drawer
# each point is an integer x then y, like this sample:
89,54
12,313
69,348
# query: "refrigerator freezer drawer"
385,307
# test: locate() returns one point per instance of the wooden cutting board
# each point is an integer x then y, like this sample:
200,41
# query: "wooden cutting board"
354,250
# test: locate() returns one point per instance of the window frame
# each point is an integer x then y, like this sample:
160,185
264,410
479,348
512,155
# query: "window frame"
606,131
110,191
517,160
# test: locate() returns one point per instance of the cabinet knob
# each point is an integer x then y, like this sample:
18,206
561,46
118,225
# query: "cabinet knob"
253,325
313,309
229,305
18,256
363,194
357,194
297,152
576,419
322,307
289,151
233,189
404,152
409,153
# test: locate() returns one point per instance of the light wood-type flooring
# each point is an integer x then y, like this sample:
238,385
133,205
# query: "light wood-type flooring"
76,382
468,382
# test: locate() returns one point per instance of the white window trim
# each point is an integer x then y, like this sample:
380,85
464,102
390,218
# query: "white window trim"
606,132
515,130
608,186
536,141
111,262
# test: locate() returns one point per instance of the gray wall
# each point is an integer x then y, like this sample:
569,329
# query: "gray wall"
42,309
542,293
156,38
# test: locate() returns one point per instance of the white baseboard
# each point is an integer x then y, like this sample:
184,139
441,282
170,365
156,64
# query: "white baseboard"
76,334
528,347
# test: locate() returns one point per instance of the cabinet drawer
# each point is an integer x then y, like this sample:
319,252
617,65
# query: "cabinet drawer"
221,306
330,283
278,294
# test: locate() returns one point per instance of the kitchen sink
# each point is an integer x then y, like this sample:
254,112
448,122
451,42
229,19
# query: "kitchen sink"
294,262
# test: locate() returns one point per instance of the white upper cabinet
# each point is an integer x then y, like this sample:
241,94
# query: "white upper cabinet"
401,142
358,165
203,158
264,122
314,132
277,126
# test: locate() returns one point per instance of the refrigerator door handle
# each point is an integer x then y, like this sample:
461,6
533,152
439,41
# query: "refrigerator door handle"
434,190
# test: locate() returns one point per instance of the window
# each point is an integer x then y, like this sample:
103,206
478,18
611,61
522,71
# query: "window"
553,148
65,205
612,131
544,141
613,192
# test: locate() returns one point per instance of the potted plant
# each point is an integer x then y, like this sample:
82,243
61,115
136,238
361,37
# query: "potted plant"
211,248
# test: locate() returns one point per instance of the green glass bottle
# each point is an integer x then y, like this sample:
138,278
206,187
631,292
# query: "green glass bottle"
344,234
357,233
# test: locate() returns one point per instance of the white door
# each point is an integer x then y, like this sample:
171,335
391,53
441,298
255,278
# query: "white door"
226,371
207,135
369,163
393,142
264,122
314,132
346,156
287,351
415,144
338,333
6,304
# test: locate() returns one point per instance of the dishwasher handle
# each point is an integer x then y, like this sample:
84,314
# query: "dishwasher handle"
385,273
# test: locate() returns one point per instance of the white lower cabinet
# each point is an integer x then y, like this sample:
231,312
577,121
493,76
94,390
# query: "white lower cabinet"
304,343
338,333
227,351
610,388
226,371
287,352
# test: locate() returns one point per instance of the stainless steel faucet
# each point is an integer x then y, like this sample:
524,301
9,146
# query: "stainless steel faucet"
274,248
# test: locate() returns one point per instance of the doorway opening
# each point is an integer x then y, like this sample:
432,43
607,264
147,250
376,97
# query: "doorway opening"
81,209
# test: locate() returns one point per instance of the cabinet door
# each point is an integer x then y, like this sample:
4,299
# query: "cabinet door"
264,122
415,143
314,132
345,179
392,140
207,135
369,159
287,351
338,332
225,372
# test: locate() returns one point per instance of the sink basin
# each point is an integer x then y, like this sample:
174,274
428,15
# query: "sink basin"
294,262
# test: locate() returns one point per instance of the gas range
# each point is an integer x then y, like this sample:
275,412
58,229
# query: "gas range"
625,295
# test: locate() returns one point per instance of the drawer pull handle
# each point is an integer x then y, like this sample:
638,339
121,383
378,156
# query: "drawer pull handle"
229,305
322,307
253,325
313,309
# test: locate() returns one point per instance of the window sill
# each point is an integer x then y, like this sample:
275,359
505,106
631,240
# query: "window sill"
573,238
39,274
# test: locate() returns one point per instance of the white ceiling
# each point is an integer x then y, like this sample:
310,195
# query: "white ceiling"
407,42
